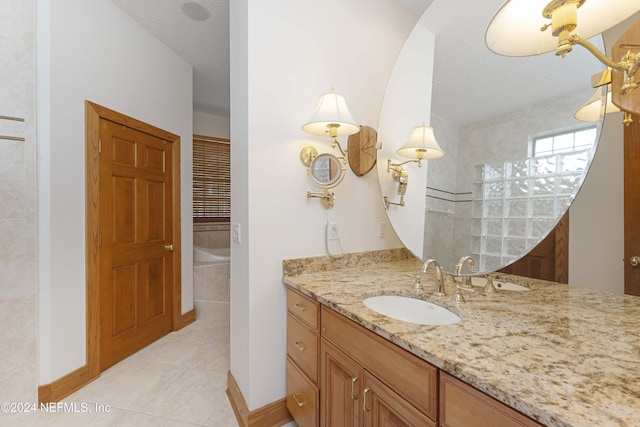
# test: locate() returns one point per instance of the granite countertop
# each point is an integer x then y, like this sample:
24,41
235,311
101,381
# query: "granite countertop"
564,356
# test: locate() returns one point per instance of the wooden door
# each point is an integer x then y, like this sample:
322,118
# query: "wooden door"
136,220
340,388
383,407
632,206
549,260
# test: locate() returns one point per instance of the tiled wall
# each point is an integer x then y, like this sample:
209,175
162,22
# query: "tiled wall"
211,235
18,361
211,281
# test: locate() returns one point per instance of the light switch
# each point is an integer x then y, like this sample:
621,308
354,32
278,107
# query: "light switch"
235,233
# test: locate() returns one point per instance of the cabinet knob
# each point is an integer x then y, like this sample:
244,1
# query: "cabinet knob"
635,261
169,247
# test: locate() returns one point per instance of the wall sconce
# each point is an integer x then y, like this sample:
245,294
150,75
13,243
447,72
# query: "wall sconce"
515,30
332,117
422,145
590,110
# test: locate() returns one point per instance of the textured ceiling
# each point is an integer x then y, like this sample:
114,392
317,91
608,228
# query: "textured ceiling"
203,44
471,83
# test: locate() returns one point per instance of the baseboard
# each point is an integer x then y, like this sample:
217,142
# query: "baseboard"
64,386
186,319
273,414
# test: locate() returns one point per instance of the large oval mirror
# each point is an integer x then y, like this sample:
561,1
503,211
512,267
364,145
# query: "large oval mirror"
515,156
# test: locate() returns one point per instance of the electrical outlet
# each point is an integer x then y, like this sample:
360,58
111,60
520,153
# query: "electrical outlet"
235,233
332,231
382,229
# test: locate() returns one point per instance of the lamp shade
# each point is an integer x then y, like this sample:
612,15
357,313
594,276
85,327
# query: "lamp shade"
422,144
590,110
515,29
331,117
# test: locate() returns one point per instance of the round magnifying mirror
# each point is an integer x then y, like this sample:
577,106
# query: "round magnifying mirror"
326,170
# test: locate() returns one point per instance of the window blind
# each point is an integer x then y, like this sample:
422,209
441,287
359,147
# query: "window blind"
211,179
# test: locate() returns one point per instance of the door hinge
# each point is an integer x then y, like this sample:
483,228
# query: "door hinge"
99,146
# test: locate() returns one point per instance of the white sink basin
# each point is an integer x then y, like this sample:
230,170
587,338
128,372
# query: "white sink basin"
411,310
499,284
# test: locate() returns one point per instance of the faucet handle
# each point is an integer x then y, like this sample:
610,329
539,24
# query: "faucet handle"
458,295
489,288
418,284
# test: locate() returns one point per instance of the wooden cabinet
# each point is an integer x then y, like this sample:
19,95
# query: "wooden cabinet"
340,388
464,406
368,381
341,374
303,344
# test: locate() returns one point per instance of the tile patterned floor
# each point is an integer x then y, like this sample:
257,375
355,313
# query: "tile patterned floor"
178,381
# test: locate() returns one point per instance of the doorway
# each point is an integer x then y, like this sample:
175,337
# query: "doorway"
133,235
632,207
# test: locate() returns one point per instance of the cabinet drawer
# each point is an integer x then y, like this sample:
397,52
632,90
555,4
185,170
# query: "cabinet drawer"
302,346
302,397
406,374
464,406
303,307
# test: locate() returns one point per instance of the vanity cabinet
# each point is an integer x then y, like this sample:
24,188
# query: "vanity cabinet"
341,374
303,344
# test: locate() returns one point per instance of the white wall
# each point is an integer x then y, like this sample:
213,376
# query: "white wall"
211,125
407,104
94,51
284,55
596,218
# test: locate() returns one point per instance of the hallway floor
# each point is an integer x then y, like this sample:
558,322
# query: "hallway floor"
178,381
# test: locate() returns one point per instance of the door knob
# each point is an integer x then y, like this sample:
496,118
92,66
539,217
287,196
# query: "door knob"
169,247
635,261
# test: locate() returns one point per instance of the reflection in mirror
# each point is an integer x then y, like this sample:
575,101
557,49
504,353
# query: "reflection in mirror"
326,170
516,156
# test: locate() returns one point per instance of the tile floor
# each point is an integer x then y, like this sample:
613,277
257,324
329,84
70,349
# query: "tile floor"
178,381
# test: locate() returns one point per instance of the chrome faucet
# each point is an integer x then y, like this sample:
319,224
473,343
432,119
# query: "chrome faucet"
466,280
439,276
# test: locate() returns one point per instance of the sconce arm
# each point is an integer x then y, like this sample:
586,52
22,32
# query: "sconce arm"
618,66
629,63
393,166
335,143
387,202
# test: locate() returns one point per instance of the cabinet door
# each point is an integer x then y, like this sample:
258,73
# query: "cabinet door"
340,388
383,407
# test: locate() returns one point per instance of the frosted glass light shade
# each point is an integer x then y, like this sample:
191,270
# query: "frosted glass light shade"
331,111
515,29
590,110
422,144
